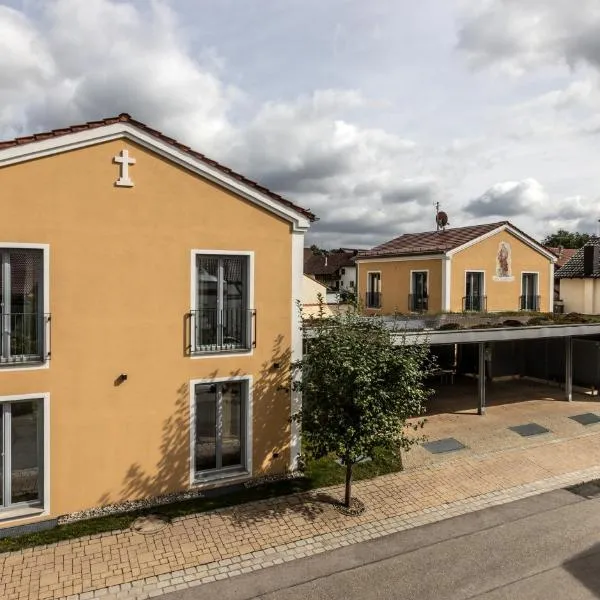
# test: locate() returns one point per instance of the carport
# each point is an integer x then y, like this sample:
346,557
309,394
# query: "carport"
555,354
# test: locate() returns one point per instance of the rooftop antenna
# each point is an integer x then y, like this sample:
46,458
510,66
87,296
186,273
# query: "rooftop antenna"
441,218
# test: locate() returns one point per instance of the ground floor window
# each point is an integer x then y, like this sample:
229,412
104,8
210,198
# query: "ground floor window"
373,299
22,447
220,427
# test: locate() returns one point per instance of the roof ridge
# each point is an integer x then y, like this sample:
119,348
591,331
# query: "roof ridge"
127,118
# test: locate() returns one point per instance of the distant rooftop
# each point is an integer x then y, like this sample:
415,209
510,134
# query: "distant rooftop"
564,255
326,264
574,268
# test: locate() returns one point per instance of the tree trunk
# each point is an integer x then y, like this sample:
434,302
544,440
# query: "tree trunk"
349,465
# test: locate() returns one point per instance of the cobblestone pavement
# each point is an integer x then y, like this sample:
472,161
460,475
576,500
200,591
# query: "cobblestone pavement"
453,413
206,547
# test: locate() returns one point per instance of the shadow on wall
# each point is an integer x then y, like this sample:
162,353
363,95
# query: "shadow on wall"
585,567
271,411
270,433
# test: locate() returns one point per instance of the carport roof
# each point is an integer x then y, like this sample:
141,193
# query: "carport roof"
469,336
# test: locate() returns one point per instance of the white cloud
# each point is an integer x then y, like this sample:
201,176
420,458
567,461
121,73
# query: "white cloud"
509,198
86,60
369,162
519,36
528,202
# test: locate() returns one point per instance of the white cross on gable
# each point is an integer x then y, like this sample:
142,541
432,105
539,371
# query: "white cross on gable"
124,160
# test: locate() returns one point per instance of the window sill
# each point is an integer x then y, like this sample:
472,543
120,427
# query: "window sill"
22,512
224,353
217,479
23,365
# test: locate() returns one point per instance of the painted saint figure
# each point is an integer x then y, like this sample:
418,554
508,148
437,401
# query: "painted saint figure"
503,260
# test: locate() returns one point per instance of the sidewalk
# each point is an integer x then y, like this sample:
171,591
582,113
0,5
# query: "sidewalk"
211,546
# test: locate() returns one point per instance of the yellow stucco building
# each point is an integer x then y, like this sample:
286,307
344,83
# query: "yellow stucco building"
145,347
492,267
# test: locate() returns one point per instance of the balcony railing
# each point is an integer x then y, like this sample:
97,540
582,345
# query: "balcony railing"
529,303
474,303
418,303
373,300
222,330
24,338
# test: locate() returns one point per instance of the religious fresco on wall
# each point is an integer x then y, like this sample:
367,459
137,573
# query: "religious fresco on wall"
504,263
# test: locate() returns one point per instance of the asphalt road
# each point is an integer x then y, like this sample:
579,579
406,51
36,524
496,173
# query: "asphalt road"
544,547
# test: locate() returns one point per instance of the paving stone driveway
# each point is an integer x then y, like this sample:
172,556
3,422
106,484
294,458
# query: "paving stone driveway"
224,543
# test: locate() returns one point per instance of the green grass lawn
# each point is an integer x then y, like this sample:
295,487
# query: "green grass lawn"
318,473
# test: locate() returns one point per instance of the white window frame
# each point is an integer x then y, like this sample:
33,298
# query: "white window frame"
26,510
369,291
467,271
411,286
45,362
227,474
194,298
537,287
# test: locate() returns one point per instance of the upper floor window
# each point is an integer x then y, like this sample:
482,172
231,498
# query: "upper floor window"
222,319
22,319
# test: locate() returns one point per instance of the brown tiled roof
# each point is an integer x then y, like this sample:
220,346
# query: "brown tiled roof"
563,255
124,117
430,242
315,264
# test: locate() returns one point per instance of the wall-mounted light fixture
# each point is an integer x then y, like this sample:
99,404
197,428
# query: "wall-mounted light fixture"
122,378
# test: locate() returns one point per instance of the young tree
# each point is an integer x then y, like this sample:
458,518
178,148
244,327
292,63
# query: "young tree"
358,389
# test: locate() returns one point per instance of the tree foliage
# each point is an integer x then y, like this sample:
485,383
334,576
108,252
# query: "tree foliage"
566,239
358,389
319,251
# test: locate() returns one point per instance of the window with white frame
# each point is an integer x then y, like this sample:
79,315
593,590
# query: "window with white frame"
22,319
220,427
222,317
22,453
373,299
530,299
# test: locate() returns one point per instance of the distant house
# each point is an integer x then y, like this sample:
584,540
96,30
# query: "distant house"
314,296
335,269
489,267
580,280
563,255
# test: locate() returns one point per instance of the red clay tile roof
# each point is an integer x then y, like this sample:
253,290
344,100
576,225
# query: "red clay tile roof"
125,118
564,255
430,242
315,264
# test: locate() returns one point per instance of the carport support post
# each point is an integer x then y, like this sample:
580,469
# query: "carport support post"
481,379
569,368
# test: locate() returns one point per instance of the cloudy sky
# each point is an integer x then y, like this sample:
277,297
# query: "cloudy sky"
365,112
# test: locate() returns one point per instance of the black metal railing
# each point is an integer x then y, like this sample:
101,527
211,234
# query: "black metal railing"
529,302
222,330
474,303
373,300
24,338
418,303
